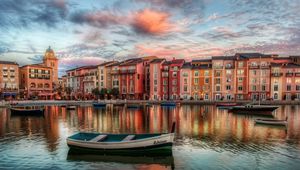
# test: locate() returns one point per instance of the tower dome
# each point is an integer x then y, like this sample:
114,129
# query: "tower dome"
49,54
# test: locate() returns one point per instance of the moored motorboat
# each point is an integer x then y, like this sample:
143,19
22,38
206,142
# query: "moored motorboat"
99,104
133,106
272,122
170,104
27,110
121,142
254,109
71,107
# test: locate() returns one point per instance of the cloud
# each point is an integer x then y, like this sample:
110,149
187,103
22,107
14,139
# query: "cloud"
152,22
224,33
102,19
19,13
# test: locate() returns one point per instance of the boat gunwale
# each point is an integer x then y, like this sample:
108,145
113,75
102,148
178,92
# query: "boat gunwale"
120,142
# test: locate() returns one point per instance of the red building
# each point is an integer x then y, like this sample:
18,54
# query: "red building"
171,79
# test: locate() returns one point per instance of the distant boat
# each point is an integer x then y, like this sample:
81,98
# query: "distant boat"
63,105
99,104
71,107
133,106
226,105
168,104
27,110
272,122
254,109
119,104
121,142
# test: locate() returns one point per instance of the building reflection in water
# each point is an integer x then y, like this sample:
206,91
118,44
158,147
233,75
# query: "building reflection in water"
196,122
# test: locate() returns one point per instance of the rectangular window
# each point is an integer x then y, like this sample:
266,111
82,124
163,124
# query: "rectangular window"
275,87
196,73
174,82
196,80
298,87
206,73
228,87
263,87
218,81
288,88
218,88
240,88
185,81
240,72
185,88
174,74
206,80
253,88
241,64
240,79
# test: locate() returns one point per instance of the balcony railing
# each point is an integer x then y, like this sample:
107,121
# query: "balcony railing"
229,67
276,74
131,71
253,66
289,74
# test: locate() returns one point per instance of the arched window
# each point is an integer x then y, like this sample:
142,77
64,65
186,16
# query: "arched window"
32,85
40,85
46,85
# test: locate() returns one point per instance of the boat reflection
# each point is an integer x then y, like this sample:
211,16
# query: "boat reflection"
163,158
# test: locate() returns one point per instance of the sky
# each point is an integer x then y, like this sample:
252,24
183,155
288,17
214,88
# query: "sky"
92,31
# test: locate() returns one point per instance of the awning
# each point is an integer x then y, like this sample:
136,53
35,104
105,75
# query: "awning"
9,93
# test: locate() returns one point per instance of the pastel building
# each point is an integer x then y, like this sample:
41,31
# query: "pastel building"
186,81
131,78
174,78
104,75
90,81
241,74
291,81
38,80
223,77
201,79
9,79
155,78
115,76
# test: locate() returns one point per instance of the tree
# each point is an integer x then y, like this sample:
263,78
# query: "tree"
68,90
96,92
114,92
103,92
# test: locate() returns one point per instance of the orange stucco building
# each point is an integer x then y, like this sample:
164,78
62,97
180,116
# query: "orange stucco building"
38,80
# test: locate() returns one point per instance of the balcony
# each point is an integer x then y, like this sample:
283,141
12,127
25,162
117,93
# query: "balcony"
253,66
218,67
276,74
131,71
165,69
297,74
229,67
289,74
114,72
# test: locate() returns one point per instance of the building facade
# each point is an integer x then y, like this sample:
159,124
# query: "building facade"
9,79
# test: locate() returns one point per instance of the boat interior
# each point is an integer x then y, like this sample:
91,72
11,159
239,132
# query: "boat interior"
95,137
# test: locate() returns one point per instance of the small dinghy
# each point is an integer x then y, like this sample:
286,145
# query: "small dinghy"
272,122
27,110
99,104
168,104
71,107
121,142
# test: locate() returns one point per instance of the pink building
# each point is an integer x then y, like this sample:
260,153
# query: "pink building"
131,76
155,69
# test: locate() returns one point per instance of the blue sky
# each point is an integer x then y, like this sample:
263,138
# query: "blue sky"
92,31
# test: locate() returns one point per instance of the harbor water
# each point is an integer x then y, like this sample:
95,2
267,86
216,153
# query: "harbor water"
206,138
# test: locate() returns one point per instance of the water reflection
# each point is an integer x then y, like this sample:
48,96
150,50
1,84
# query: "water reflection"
198,127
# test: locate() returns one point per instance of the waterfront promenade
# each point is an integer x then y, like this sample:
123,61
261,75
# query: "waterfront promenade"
185,102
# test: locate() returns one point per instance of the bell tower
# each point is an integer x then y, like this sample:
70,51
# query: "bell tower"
50,60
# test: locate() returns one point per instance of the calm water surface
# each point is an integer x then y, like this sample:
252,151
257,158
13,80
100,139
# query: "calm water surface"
206,138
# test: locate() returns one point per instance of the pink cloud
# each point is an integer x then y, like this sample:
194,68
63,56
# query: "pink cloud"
152,22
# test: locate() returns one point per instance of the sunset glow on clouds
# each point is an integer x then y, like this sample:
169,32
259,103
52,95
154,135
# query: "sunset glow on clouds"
90,32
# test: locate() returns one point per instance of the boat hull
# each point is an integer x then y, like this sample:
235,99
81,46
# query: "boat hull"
99,104
168,104
32,112
255,110
271,122
161,142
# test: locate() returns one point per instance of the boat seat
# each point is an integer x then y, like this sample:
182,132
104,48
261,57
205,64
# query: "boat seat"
128,138
98,138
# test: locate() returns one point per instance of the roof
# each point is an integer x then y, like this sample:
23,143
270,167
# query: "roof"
276,64
106,63
8,62
83,67
37,65
201,60
158,60
186,65
291,65
167,63
132,61
202,66
177,61
253,55
223,57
